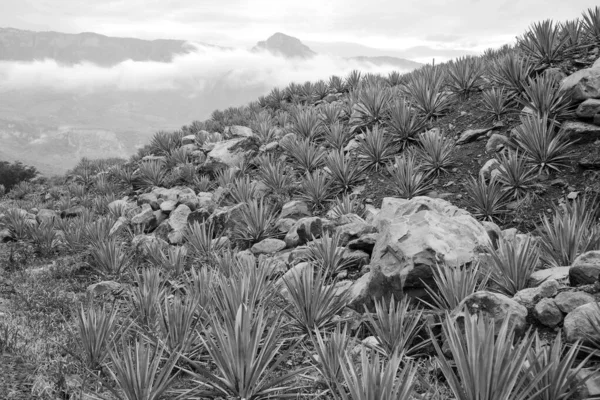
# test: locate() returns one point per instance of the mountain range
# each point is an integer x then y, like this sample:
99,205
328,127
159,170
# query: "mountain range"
67,96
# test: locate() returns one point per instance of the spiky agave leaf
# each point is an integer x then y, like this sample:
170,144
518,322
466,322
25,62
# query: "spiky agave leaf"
513,263
403,123
407,178
543,43
255,223
517,177
435,151
97,329
375,149
315,189
331,350
487,199
307,155
495,102
544,98
345,172
465,75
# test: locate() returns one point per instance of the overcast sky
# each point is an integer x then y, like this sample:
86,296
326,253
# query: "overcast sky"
459,24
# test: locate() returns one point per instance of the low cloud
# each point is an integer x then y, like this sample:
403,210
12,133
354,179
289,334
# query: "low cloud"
205,68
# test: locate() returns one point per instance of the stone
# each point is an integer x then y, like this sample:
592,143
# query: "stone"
5,235
46,215
284,225
200,216
73,212
574,128
178,217
104,287
583,84
168,206
205,200
189,139
353,230
304,230
578,324
238,131
365,243
295,209
590,389
224,218
470,135
547,313
145,216
355,259
569,301
529,296
496,306
189,199
268,246
148,198
585,269
559,274
491,169
496,142
588,108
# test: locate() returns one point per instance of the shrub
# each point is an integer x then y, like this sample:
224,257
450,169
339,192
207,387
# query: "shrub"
109,258
306,123
544,146
256,222
276,176
330,114
373,102
495,102
345,172
307,155
511,72
97,331
407,178
337,135
12,174
152,173
327,253
163,143
591,24
331,350
425,88
315,188
177,323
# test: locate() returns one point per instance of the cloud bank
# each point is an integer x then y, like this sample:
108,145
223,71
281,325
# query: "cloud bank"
196,72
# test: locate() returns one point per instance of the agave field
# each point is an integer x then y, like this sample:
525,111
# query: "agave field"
269,251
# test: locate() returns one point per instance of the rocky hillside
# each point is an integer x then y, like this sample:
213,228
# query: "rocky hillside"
428,235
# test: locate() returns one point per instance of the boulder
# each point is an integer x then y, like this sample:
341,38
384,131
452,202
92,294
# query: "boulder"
579,324
496,306
268,246
415,235
528,297
588,108
205,200
569,301
168,206
284,225
585,269
547,313
295,209
224,218
189,139
148,198
238,131
200,215
145,217
104,287
365,243
231,152
583,84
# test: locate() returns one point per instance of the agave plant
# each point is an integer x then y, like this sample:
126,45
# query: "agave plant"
162,143
307,155
316,189
344,205
152,173
330,114
572,32
306,123
246,351
371,108
200,239
109,258
353,79
146,295
465,74
276,176
375,148
544,98
543,145
312,304
487,363
435,152
320,90
396,327
336,84
452,285
98,329
140,371
327,253
425,89
44,237
495,102
337,135
407,178
487,199
18,224
177,321
344,172
376,379
255,223
511,72
513,263
517,177
403,123
243,189
591,24
557,364
569,233
543,43
331,351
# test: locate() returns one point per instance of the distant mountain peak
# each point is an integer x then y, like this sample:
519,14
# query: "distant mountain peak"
285,45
